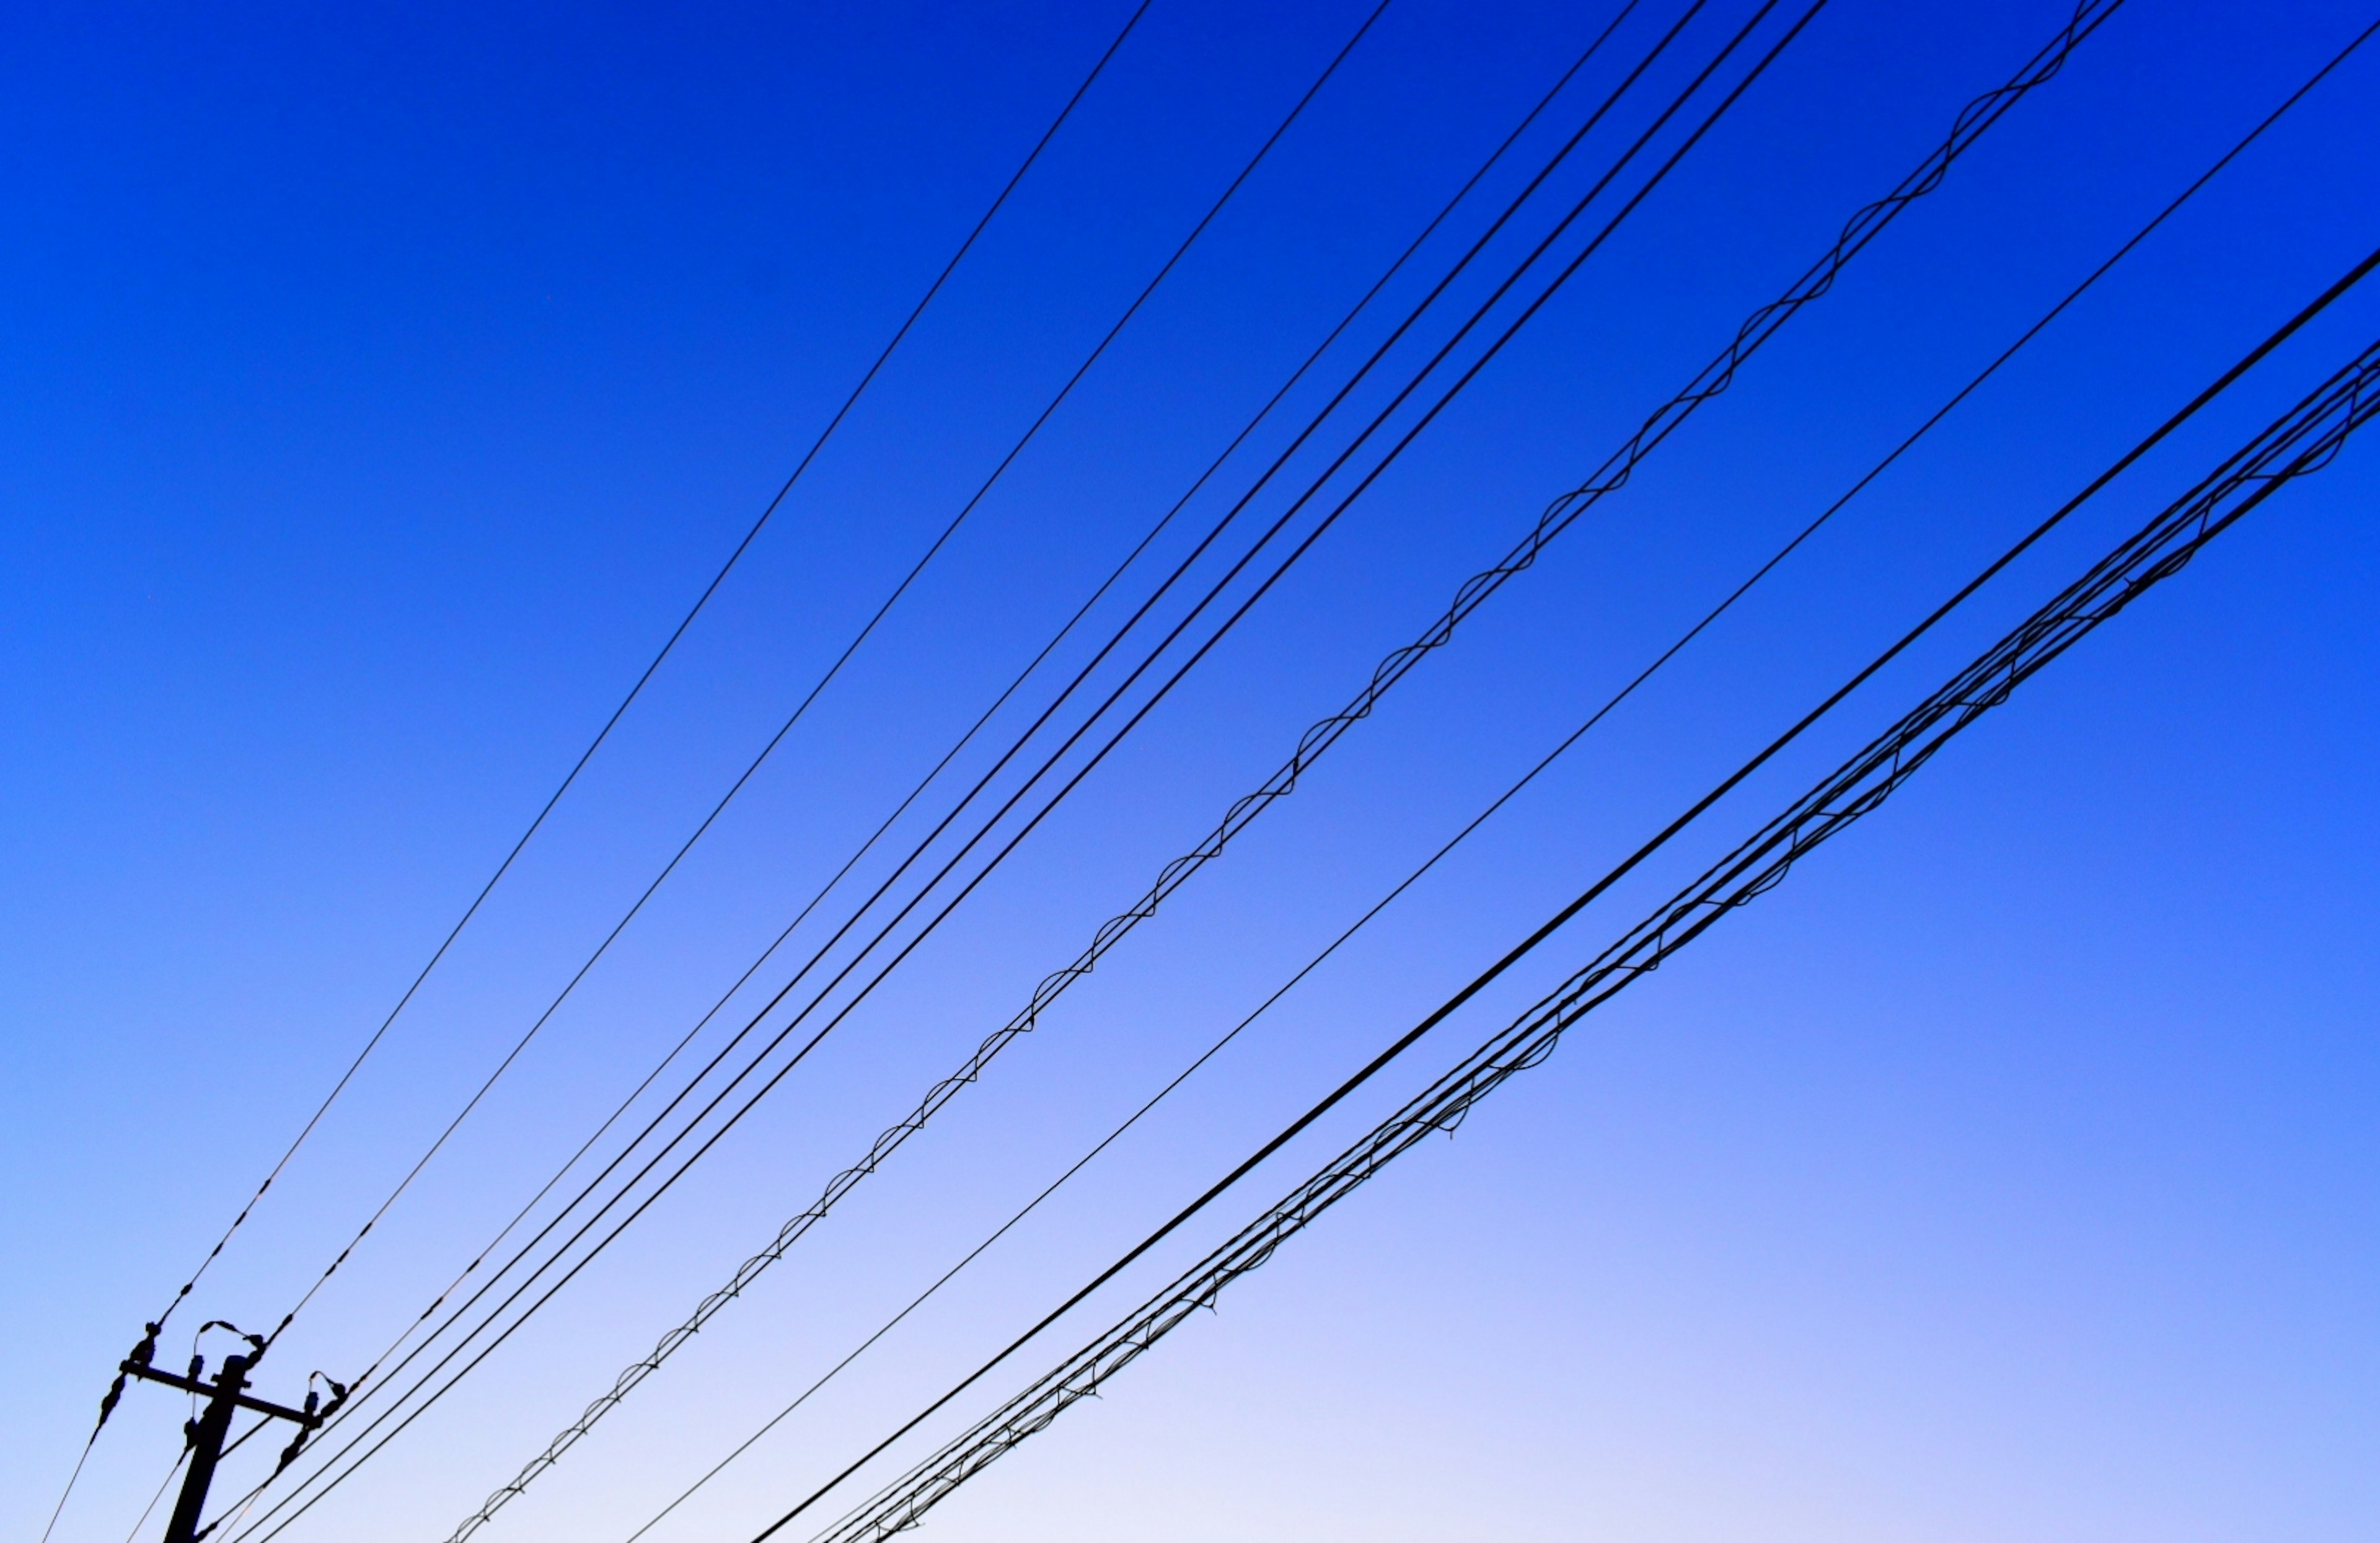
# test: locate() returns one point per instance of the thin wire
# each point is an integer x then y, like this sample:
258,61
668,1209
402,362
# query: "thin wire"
1408,440
1546,763
1571,911
241,1440
651,1364
1148,539
1134,1118
1065,631
1262,416
180,1458
851,648
1919,189
1076,779
717,580
65,1494
1178,572
1444,400
1982,111
1859,787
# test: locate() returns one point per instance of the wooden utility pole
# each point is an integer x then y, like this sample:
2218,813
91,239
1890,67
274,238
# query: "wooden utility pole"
225,1396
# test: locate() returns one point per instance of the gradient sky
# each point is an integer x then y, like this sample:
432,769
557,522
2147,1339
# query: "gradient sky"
383,384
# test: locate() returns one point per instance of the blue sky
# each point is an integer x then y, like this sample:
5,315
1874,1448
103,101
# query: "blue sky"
385,383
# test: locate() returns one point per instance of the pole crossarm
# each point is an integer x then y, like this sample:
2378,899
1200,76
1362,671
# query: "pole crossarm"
208,1389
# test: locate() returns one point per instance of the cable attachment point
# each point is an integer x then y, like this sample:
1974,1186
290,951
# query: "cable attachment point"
317,1412
255,1342
142,1354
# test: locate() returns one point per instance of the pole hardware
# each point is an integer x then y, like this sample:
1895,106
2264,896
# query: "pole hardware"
188,1385
225,1395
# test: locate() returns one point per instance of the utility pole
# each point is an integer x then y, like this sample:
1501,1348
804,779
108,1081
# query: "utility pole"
225,1396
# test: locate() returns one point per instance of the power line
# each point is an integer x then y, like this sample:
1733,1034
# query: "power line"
1065,630
1861,228
891,1139
1545,763
72,1479
1078,681
134,1531
1262,414
801,709
1276,135
1656,176
1575,265
1245,431
734,557
1310,748
2304,438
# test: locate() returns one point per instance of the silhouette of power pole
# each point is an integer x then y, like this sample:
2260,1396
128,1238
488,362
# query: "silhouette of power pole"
225,1396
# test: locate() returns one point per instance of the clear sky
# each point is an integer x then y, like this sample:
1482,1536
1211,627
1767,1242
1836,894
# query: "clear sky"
383,384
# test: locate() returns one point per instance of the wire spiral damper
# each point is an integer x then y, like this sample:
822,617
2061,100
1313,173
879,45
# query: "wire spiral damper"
1713,379
1110,745
1609,704
2305,440
1755,332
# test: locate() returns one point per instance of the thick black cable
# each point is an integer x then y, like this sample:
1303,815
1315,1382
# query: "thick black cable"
739,1039
1263,413
1379,286
1981,112
1608,705
1405,442
833,669
734,557
1758,865
1627,865
1065,631
1345,936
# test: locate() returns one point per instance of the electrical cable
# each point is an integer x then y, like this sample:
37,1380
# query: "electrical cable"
834,422
898,958
1669,164
1247,430
180,1458
1171,578
1970,121
1512,790
1065,630
801,709
72,1479
948,1088
2305,438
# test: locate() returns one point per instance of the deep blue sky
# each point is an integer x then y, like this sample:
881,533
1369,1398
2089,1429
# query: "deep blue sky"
383,384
